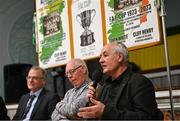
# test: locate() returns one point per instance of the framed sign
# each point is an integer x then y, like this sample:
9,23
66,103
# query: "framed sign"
87,28
133,22
54,47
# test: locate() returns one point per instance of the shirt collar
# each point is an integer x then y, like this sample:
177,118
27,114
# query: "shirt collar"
86,82
120,78
37,93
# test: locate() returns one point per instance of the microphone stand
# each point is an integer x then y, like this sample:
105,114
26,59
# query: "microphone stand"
163,14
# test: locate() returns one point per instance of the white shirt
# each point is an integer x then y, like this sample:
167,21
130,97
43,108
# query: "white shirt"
37,93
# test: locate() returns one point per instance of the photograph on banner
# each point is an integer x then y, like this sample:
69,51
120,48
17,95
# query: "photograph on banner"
87,28
53,33
133,22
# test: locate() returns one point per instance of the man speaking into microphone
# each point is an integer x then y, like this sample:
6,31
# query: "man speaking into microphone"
125,95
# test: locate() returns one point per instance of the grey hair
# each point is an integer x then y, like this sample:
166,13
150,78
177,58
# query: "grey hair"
121,48
44,72
79,62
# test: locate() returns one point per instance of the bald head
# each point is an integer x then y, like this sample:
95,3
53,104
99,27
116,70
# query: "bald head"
77,71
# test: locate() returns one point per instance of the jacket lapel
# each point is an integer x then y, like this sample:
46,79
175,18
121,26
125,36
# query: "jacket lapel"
121,88
102,92
103,89
40,98
24,103
124,83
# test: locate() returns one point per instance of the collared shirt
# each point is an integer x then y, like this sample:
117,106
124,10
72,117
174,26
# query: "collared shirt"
112,87
73,100
37,93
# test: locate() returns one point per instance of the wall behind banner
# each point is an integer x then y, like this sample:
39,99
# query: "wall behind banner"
15,34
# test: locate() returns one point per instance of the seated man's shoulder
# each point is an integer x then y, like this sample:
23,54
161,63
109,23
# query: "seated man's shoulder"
49,94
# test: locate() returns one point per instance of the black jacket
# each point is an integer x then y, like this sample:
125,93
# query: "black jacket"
43,109
130,97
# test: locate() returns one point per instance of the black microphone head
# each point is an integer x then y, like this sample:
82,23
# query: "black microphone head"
96,77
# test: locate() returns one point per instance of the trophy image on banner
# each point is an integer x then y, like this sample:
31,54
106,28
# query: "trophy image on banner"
85,19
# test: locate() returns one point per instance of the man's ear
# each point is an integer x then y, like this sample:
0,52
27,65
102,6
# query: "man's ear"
44,82
121,57
83,70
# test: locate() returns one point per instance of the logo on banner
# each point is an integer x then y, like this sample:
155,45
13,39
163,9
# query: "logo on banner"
85,19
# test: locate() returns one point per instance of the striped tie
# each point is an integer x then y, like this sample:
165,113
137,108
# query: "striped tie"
28,106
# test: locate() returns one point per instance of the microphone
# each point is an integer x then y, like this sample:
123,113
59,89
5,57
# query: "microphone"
96,77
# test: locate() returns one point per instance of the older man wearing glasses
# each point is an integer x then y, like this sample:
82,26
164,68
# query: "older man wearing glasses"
39,103
77,73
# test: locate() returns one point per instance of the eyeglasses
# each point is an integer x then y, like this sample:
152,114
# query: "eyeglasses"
33,78
72,71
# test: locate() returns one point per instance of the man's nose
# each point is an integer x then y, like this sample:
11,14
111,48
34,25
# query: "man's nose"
101,59
69,76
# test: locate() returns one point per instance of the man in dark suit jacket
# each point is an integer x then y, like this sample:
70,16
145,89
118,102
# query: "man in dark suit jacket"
125,95
44,102
3,110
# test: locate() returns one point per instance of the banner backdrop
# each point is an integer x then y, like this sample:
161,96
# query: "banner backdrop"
134,22
53,32
79,28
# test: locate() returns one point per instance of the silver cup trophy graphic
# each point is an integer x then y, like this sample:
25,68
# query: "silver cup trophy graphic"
85,19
